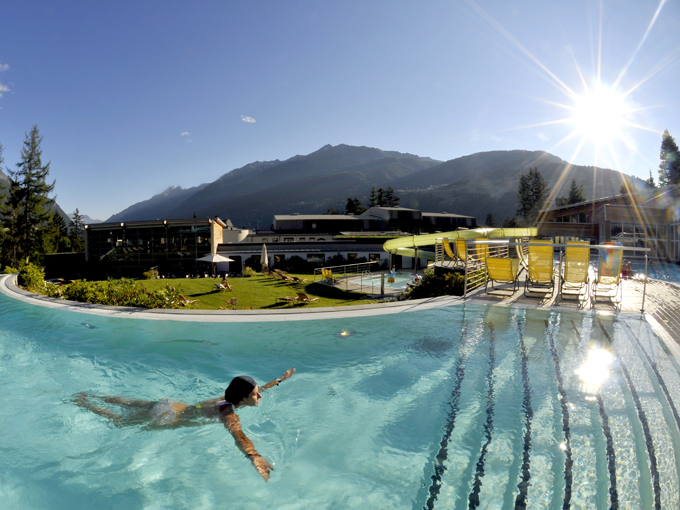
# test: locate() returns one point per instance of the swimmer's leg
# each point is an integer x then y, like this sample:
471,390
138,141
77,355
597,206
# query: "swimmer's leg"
140,408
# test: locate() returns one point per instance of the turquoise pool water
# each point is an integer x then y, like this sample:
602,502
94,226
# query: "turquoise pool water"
457,407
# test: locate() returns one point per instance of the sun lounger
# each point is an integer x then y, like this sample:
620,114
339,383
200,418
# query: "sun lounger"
502,270
186,301
287,299
540,272
298,280
608,274
576,266
305,298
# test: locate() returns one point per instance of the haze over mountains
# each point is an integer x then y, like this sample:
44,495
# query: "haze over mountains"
473,185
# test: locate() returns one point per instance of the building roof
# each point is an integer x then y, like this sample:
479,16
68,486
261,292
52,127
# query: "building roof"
446,215
283,217
154,223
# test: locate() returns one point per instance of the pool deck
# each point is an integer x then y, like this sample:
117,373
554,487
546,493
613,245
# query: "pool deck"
662,307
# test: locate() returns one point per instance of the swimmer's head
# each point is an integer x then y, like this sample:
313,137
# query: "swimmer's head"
242,388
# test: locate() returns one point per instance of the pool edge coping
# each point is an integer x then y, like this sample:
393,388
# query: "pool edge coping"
9,287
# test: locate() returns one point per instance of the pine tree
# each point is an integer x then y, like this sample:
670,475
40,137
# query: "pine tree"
381,197
577,193
354,206
60,237
649,183
77,232
33,201
391,199
490,220
373,198
669,167
532,193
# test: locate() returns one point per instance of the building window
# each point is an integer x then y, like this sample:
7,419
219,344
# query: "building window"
301,239
311,239
352,257
275,239
265,240
320,239
374,257
288,239
314,225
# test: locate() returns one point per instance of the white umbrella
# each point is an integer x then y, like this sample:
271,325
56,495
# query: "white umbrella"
214,258
264,259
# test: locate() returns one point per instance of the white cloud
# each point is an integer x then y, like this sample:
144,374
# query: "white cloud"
186,133
542,136
3,67
249,120
188,140
3,88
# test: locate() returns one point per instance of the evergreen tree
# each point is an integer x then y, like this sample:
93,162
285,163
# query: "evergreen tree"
577,194
532,193
9,222
77,232
391,200
354,206
490,220
510,222
32,204
649,183
331,211
381,197
373,198
61,241
669,167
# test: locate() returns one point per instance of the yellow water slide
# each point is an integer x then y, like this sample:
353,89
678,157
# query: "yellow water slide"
408,245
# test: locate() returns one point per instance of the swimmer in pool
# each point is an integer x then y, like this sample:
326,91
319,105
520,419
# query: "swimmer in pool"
165,413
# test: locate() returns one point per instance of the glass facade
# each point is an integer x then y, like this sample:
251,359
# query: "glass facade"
171,247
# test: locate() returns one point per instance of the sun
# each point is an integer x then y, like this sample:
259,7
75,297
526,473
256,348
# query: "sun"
600,115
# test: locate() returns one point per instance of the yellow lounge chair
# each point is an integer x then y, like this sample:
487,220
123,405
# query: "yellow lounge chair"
540,272
502,270
463,255
609,274
576,266
449,251
482,252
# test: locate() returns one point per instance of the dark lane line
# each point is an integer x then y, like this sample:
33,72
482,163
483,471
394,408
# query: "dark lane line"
442,455
525,475
568,462
658,378
610,452
645,425
473,499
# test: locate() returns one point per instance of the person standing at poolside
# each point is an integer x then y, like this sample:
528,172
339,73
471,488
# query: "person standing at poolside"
243,391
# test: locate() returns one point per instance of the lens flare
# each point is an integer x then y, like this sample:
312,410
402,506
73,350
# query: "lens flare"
595,370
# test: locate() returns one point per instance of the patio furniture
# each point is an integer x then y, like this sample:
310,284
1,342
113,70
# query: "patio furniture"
502,270
609,274
576,266
305,298
540,271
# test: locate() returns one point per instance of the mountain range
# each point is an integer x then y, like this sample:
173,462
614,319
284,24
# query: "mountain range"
473,185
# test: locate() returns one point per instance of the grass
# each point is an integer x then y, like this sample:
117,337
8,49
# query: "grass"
257,292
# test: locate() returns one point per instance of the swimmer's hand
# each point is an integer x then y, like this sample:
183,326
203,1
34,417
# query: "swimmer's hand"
263,467
276,382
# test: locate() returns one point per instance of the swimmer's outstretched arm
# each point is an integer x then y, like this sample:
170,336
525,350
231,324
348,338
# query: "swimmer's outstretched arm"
233,424
276,382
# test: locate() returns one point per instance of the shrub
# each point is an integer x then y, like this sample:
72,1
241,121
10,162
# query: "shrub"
249,271
151,274
431,285
31,277
123,292
11,270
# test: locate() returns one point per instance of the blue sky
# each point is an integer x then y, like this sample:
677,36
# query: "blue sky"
132,97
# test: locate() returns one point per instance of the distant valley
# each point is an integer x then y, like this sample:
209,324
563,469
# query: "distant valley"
473,185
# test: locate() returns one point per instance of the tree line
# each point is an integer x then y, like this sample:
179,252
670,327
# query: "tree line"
30,225
377,198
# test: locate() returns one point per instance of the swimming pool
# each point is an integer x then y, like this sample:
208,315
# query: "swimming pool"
450,407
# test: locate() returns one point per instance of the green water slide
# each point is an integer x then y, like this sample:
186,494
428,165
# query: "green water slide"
408,245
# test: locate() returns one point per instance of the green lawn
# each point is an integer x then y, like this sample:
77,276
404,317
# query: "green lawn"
256,292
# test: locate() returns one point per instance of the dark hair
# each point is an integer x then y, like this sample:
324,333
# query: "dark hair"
239,388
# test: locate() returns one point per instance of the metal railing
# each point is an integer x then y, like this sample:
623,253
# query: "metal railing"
475,266
344,271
